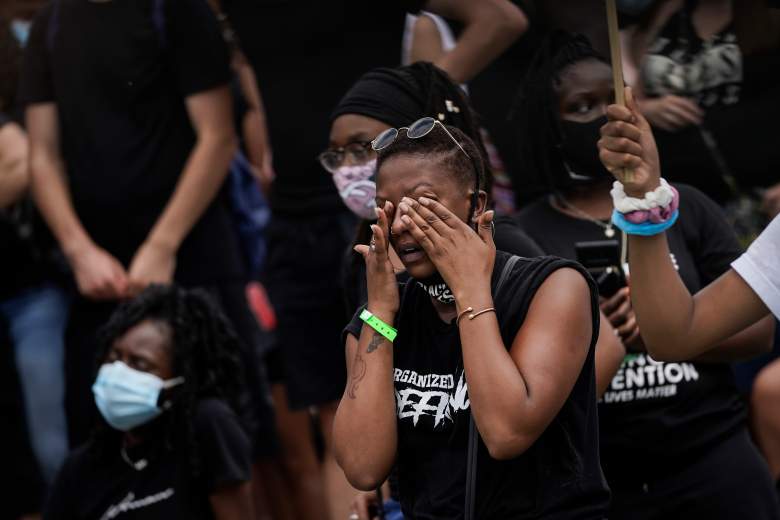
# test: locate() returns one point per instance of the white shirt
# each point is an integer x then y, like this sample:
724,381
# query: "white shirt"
760,266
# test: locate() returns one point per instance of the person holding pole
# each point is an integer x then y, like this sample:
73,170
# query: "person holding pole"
692,406
677,325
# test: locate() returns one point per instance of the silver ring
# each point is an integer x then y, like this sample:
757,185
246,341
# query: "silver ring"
354,516
373,247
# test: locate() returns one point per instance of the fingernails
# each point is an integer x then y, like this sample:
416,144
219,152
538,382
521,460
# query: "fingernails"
424,201
406,220
378,212
403,207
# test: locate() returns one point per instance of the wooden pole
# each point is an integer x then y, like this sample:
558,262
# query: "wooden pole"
617,63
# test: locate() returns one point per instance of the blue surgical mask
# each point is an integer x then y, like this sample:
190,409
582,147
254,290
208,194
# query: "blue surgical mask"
127,398
21,30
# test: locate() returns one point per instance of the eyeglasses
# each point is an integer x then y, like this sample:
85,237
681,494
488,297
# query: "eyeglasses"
357,152
418,129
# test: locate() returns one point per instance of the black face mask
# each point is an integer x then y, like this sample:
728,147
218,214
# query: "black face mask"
579,150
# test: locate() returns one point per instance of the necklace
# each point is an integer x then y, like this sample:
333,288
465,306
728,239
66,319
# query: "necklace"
138,465
608,227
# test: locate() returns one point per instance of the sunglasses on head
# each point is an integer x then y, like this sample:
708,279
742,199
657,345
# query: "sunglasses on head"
418,129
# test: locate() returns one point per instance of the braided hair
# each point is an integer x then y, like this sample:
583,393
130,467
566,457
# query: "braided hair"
205,352
535,111
443,97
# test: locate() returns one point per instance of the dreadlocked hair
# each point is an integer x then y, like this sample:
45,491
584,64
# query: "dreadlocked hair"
445,100
438,146
205,352
535,110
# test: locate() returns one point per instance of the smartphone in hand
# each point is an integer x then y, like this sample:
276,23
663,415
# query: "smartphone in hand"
602,260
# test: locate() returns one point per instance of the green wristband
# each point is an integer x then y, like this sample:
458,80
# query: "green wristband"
378,325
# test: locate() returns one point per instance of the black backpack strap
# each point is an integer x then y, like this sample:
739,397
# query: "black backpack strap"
473,443
510,264
471,469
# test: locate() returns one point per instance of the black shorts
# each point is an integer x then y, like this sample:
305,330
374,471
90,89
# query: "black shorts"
303,282
730,481
258,405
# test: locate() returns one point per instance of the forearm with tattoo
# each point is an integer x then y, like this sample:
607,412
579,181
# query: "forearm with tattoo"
359,364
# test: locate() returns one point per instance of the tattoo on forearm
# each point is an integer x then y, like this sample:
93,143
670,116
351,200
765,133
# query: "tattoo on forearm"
376,342
359,365
358,372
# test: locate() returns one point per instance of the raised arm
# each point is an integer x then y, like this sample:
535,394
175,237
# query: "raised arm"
364,430
14,173
98,274
514,392
204,172
675,325
426,40
490,27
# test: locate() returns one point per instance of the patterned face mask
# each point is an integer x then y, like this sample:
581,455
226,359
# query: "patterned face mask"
357,188
437,288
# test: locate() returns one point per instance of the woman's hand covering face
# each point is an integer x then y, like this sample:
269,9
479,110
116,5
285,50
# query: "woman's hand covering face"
463,257
380,276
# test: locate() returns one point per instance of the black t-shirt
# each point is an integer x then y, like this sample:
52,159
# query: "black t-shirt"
656,416
558,477
508,238
120,83
97,488
306,57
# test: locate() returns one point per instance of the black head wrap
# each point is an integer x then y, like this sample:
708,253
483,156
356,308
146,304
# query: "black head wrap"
392,96
401,96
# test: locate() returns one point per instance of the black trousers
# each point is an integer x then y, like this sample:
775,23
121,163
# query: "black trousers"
303,279
730,482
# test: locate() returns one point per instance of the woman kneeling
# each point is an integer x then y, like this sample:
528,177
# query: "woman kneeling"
511,339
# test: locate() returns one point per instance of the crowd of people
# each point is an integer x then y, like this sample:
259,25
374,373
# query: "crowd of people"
260,260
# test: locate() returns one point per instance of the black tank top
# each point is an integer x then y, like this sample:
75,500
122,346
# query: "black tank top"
559,476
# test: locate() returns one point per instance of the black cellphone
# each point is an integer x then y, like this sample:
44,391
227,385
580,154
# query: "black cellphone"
602,260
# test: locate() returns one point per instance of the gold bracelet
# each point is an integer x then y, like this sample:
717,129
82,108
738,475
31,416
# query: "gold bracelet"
472,314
